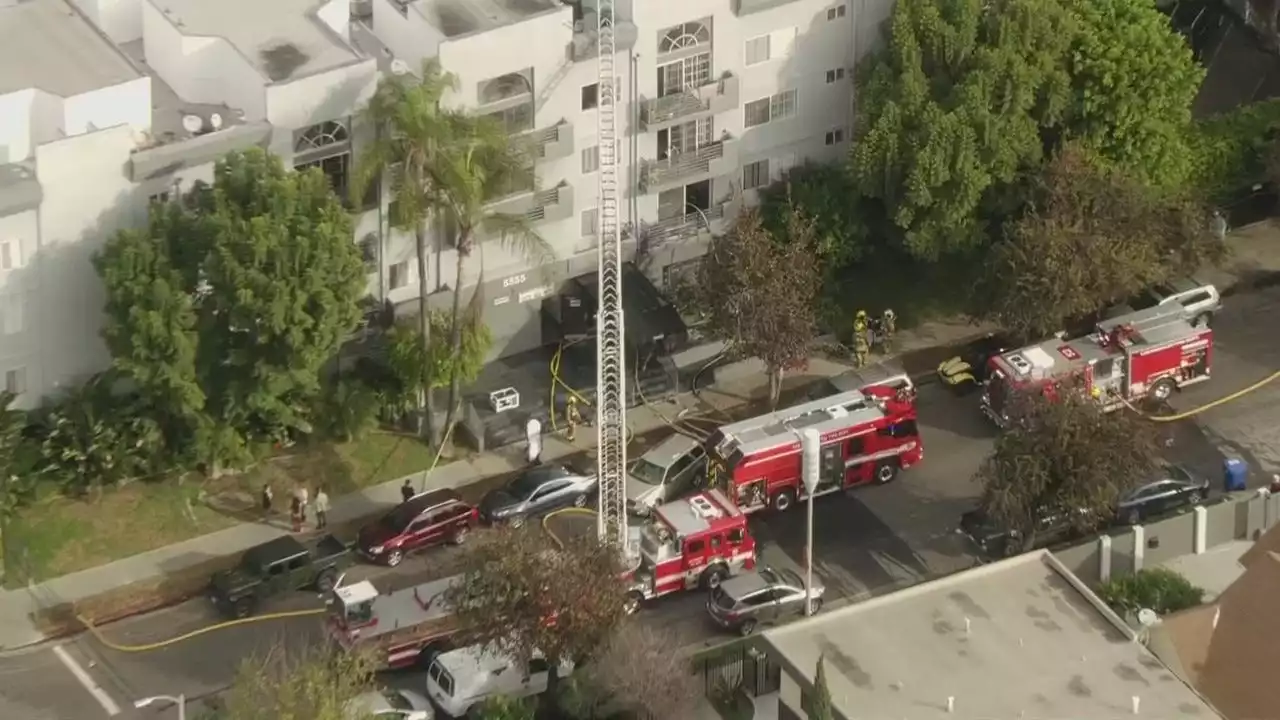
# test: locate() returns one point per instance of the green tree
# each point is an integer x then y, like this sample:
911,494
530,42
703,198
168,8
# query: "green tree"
505,708
411,128
760,293
1159,589
823,192
300,683
820,700
521,595
953,109
225,308
1091,237
1065,456
1135,79
419,366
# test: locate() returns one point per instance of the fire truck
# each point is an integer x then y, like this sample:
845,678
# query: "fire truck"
397,626
867,436
1145,354
696,541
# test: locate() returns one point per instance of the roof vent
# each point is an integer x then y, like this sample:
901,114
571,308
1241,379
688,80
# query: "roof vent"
399,67
215,121
703,508
192,123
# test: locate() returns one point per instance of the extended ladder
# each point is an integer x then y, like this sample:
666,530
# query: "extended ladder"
611,402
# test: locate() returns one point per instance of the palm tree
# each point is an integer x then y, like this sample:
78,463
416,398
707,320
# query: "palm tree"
481,164
411,129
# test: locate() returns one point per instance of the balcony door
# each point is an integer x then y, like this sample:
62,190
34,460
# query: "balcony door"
684,74
685,200
685,137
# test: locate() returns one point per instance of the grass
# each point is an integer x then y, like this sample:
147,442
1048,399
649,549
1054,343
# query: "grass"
59,535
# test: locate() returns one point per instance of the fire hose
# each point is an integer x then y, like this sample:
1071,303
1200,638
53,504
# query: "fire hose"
97,635
1207,406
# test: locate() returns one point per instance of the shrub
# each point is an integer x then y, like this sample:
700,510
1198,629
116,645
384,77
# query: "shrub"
1158,589
347,409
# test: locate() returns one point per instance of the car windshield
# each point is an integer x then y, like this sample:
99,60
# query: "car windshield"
769,576
1177,472
522,487
396,700
1149,298
397,520
648,472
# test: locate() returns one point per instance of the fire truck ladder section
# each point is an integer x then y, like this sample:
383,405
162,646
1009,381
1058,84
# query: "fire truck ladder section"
611,406
401,617
843,410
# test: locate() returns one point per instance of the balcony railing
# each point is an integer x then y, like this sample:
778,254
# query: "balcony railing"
715,97
685,226
547,203
655,173
552,143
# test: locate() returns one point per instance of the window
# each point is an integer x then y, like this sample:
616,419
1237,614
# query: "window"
777,44
736,536
1196,298
899,431
275,570
836,12
10,255
369,250
159,198
516,119
770,109
590,222
538,665
591,96
11,320
715,543
694,547
756,113
835,137
685,74
591,159
755,175
297,563
399,275
834,75
326,146
15,381
504,87
757,50
684,36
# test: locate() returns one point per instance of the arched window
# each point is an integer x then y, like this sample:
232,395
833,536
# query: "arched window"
504,87
326,134
327,146
684,36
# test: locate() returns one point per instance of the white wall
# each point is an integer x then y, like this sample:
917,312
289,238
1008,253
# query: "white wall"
125,104
409,37
120,20
202,70
337,15
17,290
330,95
486,55
15,126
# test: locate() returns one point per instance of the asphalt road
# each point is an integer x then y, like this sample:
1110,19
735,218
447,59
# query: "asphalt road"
870,541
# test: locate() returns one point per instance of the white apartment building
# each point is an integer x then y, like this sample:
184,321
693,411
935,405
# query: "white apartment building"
109,105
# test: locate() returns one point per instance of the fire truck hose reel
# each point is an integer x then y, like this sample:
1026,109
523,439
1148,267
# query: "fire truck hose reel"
1207,406
97,634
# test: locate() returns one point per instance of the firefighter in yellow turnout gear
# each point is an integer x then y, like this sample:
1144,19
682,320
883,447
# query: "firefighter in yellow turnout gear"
861,341
572,417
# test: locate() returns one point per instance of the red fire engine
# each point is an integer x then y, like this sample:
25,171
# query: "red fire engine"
867,436
398,626
1145,354
695,541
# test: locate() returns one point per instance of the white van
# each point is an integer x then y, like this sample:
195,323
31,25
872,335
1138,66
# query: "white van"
462,679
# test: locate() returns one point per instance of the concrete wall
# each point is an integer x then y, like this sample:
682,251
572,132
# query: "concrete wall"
21,233
125,104
408,36
332,95
120,20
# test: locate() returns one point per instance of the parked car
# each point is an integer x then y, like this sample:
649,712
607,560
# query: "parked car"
425,520
967,370
1177,488
535,492
1199,300
672,468
888,373
994,539
390,704
275,567
761,597
461,679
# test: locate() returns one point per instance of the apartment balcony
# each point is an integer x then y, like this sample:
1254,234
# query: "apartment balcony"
693,226
742,8
714,160
715,97
539,206
552,143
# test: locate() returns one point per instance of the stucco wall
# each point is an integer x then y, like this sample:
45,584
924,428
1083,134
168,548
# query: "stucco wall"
120,20
203,70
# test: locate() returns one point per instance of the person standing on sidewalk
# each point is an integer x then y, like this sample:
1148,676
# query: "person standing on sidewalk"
295,512
267,498
572,417
321,507
406,491
533,434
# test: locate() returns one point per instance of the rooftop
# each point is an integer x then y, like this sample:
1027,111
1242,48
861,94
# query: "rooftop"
461,17
1007,640
49,45
283,39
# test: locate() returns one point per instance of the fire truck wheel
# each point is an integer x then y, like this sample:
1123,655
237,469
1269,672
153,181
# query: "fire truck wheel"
747,627
324,581
1162,390
394,557
713,576
632,604
784,500
886,472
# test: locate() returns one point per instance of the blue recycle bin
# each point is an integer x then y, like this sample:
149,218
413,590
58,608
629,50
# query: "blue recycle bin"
1234,475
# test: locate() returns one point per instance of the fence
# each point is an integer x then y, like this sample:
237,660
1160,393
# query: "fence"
743,667
1129,550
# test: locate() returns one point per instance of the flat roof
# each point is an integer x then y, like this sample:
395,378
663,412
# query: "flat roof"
1007,640
49,45
460,17
283,38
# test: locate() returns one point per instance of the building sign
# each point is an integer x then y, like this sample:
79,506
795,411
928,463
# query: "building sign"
514,280
535,294
502,300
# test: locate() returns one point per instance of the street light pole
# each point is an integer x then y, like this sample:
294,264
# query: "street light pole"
811,452
179,700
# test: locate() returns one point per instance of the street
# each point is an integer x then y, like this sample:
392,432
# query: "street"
872,540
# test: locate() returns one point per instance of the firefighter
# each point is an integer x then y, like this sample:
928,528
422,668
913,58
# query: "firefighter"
572,417
861,343
888,326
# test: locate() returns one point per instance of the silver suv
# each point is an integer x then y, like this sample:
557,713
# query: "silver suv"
1199,300
669,470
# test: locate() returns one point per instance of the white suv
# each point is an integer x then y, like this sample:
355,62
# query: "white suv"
1199,300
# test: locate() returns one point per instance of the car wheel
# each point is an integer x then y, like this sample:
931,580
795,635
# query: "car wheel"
1162,390
460,535
747,627
580,501
242,608
632,604
1134,516
784,500
394,558
712,578
324,582
886,472
1202,320
516,522
815,605
1195,498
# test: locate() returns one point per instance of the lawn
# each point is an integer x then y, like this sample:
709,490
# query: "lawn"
57,535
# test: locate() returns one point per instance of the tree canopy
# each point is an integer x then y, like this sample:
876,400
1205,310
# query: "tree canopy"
225,307
823,192
291,682
1066,455
636,671
760,292
419,365
1091,237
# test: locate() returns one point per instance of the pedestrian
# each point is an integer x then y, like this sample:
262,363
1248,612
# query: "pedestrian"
533,434
267,498
572,417
861,341
406,490
295,512
321,507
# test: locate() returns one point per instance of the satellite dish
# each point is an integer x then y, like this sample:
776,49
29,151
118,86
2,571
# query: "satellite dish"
192,123
399,67
1148,618
215,121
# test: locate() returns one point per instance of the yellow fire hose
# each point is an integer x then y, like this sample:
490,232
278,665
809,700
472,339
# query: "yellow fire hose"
557,380
97,634
1207,406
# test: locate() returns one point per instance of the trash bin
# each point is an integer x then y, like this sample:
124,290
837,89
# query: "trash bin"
1234,473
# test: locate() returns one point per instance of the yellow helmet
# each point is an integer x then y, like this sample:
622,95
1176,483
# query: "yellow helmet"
862,315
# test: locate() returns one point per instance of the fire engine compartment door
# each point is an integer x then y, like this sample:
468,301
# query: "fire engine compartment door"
830,467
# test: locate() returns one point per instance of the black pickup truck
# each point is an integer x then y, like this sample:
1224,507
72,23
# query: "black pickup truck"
274,567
